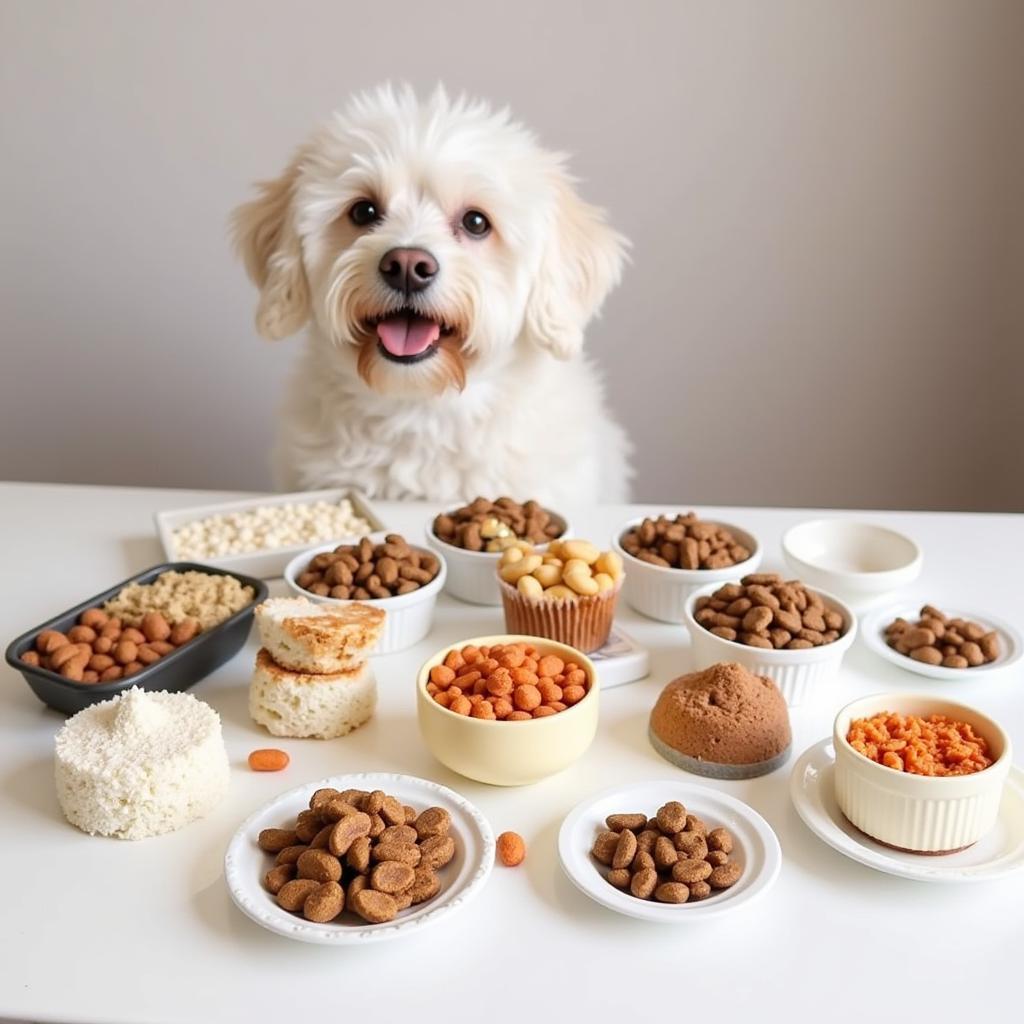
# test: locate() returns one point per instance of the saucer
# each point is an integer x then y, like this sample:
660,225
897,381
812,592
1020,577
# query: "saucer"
995,855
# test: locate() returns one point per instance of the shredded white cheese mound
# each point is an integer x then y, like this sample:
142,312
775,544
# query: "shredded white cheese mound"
268,527
141,764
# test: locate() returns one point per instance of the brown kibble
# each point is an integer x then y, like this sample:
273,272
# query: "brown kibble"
392,877
182,632
724,875
374,907
319,865
404,853
671,817
425,886
324,903
437,851
277,877
699,890
716,857
358,856
126,652
927,655
154,626
642,860
634,822
720,839
665,853
434,821
620,878
690,871
290,854
347,831
274,840
292,895
603,849
643,883
672,892
691,844
399,834
625,849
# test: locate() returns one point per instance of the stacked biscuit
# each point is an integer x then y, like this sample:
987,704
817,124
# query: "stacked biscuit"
312,677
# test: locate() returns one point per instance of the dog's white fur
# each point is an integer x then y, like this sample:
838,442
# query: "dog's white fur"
508,404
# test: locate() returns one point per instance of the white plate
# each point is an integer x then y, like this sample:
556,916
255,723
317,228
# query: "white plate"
245,863
264,564
873,631
997,854
755,847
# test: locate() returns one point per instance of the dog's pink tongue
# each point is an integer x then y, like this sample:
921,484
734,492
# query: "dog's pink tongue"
407,335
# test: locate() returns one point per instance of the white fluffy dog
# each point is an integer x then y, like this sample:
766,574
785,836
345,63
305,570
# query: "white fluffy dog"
447,269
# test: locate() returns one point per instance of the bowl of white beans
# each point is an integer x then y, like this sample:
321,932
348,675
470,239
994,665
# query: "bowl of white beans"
260,536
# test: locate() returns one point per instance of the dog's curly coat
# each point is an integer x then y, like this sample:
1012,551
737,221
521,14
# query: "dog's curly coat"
493,395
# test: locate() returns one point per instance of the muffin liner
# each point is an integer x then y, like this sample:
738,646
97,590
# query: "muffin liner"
584,623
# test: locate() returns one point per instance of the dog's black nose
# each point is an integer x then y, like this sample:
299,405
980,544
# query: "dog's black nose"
408,270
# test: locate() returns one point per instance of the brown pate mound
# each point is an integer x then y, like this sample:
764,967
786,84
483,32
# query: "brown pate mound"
724,714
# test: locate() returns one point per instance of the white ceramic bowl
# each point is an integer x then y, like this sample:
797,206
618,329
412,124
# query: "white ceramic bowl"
508,753
661,593
860,562
409,616
473,575
800,675
918,812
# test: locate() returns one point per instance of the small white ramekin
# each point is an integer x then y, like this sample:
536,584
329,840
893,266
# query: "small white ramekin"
800,675
408,616
661,593
473,575
862,562
919,813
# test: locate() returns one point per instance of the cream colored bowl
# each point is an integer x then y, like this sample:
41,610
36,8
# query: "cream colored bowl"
919,813
508,753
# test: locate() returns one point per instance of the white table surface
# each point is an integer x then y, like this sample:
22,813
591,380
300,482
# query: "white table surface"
95,929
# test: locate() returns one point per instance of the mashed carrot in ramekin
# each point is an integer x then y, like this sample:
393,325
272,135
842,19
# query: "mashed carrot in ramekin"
935,746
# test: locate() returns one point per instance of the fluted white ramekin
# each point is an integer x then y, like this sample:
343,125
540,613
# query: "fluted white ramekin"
661,593
800,675
473,575
920,813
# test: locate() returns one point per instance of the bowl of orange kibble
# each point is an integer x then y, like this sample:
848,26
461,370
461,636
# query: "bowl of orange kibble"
508,709
919,774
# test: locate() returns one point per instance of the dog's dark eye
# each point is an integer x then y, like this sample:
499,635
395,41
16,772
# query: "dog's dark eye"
364,212
476,223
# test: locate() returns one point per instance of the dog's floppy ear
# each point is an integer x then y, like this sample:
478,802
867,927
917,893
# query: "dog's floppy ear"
581,263
266,239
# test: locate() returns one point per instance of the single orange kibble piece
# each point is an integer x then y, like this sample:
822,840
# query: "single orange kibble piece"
511,849
269,759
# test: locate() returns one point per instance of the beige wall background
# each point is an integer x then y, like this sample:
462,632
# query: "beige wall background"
826,201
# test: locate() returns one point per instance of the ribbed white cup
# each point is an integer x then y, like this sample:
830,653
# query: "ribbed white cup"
918,812
800,675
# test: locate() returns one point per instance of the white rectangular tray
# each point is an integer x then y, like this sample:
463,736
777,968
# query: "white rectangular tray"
262,564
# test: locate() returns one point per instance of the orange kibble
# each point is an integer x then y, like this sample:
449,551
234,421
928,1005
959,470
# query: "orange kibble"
466,680
544,711
573,694
511,657
453,691
270,759
502,707
511,849
485,652
480,687
570,666
519,716
499,683
549,691
550,665
460,705
577,677
475,698
560,678
470,654
530,664
442,675
432,688
556,705
530,651
454,660
523,675
444,698
485,710
526,697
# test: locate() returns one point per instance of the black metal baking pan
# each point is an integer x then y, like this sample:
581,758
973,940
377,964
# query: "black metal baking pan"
177,671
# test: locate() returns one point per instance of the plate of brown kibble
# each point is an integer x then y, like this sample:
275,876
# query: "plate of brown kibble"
359,858
942,643
668,852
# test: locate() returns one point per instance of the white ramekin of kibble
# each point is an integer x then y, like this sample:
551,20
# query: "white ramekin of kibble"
472,569
802,674
409,616
659,587
928,814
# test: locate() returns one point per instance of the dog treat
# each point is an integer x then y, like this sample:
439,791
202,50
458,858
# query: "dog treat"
268,760
937,639
368,571
506,682
486,525
936,745
266,528
682,867
100,649
511,849
208,598
360,867
762,610
566,592
685,542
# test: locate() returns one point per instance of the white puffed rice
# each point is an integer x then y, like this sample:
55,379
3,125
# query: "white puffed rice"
267,527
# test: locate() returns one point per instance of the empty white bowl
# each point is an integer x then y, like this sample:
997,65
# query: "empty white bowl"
800,675
660,592
919,813
860,562
473,575
408,616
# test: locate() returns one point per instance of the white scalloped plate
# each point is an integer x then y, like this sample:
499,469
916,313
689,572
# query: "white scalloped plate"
245,863
812,788
756,848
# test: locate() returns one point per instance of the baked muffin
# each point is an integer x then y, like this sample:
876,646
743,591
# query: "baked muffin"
723,722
